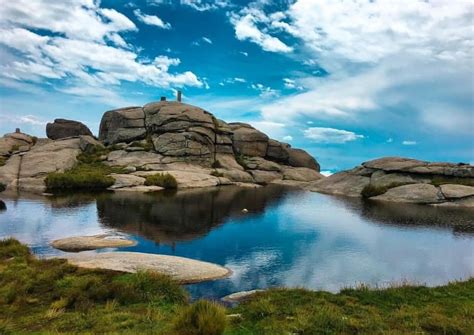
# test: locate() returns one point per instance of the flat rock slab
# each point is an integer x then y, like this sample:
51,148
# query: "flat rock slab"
240,296
414,193
452,191
183,270
81,243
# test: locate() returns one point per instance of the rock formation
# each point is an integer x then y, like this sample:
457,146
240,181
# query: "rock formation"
404,180
62,128
186,141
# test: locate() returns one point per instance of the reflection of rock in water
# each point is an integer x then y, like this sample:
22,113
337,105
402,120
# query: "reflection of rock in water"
461,220
3,206
167,218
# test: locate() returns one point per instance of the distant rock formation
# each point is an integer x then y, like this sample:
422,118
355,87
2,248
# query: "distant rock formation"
62,128
399,179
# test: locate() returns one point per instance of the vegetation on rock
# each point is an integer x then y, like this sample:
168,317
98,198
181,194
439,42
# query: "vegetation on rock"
51,296
372,191
88,174
3,161
442,180
216,173
164,180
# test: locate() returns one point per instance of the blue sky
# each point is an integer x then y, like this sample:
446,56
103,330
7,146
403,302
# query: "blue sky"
346,80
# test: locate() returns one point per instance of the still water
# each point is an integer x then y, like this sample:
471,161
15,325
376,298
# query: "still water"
288,237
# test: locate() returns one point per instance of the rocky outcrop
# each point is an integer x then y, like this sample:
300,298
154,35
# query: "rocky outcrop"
184,140
14,142
81,243
399,179
26,170
62,128
183,270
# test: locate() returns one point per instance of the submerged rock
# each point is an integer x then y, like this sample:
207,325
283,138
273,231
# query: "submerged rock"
81,243
183,270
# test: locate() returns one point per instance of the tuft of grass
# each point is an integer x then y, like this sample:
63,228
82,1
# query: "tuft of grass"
147,145
14,148
372,191
164,180
34,139
201,318
441,180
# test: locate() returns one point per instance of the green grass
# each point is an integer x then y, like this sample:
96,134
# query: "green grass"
201,318
164,180
51,296
89,174
240,159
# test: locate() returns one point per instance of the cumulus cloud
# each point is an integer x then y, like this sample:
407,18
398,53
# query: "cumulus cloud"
383,58
82,47
330,135
246,28
151,20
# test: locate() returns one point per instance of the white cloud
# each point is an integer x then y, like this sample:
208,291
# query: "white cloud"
265,91
239,80
207,40
88,55
246,54
409,143
203,5
151,20
383,57
330,135
291,84
390,140
245,25
288,138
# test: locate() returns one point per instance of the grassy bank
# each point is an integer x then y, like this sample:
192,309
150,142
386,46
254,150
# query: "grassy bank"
50,296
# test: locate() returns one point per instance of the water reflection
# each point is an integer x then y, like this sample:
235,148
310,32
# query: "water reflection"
172,217
288,238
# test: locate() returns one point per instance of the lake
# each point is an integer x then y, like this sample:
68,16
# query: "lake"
289,237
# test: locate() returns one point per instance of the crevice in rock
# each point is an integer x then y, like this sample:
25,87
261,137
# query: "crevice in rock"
19,172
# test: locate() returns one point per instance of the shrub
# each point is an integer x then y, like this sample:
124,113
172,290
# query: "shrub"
241,160
34,139
201,318
216,165
164,180
15,148
92,177
216,173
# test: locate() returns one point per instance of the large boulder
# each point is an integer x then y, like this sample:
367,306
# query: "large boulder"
414,193
300,158
122,125
278,151
62,128
347,183
248,141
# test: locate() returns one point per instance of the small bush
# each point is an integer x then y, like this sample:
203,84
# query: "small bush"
11,247
241,160
216,173
201,318
34,139
216,165
164,180
15,148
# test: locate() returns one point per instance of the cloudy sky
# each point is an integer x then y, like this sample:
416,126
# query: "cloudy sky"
347,80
